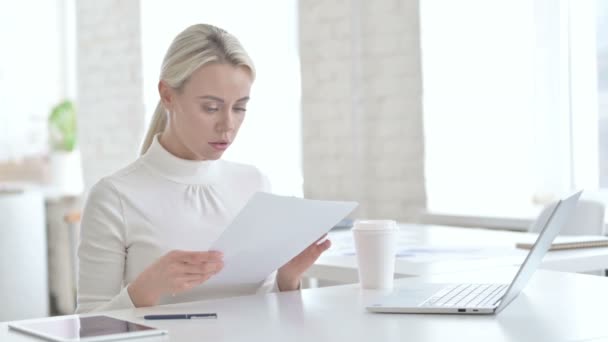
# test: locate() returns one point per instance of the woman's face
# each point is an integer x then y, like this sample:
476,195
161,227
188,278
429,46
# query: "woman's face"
207,112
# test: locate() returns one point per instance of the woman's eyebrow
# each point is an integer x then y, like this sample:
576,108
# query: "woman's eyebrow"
210,97
219,99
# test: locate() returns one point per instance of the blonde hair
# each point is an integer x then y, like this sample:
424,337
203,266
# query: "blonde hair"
194,47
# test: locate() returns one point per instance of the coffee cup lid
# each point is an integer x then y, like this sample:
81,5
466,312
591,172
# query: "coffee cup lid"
375,225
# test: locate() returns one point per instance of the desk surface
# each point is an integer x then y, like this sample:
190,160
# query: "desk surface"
554,307
428,249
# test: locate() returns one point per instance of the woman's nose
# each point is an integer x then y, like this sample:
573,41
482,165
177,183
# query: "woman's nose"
226,122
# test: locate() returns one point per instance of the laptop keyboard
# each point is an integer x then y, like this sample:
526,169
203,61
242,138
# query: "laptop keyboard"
467,295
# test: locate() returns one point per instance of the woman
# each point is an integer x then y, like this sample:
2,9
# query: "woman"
146,229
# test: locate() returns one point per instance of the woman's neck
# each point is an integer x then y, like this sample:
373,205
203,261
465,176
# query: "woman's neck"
171,142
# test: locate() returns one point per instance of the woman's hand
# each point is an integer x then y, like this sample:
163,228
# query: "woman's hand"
290,274
174,272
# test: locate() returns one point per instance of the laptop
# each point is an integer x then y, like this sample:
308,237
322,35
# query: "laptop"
479,298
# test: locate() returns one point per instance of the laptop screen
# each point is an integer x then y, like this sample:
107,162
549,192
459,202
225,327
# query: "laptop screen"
552,226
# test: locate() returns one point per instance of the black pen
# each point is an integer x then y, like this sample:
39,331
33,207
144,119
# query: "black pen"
182,316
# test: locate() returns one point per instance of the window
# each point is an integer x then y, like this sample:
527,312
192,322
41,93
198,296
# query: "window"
587,36
515,104
36,72
589,92
602,83
270,137
478,87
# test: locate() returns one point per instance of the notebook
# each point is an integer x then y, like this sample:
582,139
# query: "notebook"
472,298
571,242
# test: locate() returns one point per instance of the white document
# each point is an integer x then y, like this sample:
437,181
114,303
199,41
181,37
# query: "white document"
269,231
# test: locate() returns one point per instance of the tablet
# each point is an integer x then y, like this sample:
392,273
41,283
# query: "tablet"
81,329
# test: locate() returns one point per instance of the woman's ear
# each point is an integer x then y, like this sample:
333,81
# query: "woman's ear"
166,95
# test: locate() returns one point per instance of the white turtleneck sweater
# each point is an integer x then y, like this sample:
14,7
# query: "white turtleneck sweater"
157,204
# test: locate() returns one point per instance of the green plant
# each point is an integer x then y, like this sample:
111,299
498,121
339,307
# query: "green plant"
62,127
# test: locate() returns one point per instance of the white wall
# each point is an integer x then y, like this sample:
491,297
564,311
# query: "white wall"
362,105
110,100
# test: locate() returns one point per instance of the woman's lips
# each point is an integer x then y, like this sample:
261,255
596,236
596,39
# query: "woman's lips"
220,146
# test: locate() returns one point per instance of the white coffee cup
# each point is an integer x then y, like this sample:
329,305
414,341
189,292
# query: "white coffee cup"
376,246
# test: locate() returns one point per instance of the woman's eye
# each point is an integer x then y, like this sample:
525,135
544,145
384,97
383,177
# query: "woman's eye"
209,109
240,109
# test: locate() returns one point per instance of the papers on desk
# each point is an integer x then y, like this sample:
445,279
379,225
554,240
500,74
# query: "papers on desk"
270,231
343,245
440,254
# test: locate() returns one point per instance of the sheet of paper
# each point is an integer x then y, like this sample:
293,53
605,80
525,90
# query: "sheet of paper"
269,231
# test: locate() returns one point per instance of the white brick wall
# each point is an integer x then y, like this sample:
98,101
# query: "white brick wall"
110,100
362,105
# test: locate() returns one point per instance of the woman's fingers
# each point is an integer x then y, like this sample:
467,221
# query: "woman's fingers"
320,239
186,269
204,268
189,281
188,262
324,245
201,257
190,278
194,258
319,248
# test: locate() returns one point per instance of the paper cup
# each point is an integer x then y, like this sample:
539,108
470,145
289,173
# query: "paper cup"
376,246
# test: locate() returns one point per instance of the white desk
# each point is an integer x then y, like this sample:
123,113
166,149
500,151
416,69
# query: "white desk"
452,249
555,307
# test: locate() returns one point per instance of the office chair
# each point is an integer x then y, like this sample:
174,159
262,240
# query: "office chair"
588,219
